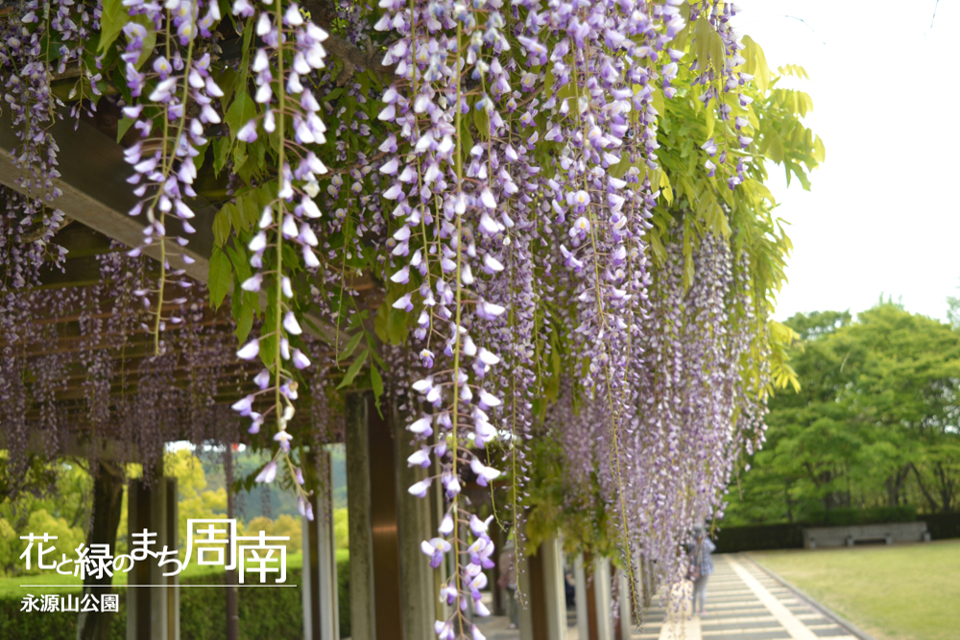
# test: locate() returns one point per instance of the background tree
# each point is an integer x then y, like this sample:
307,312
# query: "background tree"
874,424
57,502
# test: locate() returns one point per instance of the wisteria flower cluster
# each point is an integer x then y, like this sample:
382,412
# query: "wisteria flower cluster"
587,109
452,206
177,84
292,51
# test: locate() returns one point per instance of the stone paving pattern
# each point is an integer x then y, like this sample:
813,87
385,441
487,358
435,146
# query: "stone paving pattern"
743,603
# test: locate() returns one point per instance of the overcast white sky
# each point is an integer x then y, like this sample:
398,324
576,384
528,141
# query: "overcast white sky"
883,213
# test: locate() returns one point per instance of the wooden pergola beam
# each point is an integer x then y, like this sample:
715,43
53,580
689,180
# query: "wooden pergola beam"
95,192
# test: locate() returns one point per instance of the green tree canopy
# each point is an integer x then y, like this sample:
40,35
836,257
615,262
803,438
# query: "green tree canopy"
875,422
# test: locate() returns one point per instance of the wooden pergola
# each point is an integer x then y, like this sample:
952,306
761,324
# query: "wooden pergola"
392,589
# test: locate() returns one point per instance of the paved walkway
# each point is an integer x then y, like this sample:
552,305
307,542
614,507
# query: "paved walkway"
498,627
743,603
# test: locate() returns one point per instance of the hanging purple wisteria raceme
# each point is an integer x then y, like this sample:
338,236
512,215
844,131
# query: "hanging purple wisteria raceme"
554,259
289,50
694,409
74,369
292,51
459,204
164,160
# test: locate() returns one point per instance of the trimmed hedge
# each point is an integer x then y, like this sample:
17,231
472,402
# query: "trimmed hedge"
942,525
51,626
846,517
264,613
763,537
759,537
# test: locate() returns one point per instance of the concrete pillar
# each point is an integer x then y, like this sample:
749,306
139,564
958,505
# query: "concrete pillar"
527,620
601,594
153,613
541,579
592,576
646,583
554,592
580,586
319,582
625,605
362,607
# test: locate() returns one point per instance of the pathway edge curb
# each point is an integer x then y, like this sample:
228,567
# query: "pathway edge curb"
813,602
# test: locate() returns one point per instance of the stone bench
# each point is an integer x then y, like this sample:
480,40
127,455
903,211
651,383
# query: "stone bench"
814,537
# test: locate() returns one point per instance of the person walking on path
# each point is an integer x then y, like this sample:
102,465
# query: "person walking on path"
701,566
508,580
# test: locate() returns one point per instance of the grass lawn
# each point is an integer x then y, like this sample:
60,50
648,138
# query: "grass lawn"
909,592
10,586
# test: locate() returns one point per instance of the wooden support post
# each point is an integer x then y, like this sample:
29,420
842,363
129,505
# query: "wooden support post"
417,590
319,588
232,595
437,507
153,613
107,505
384,522
391,586
362,604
